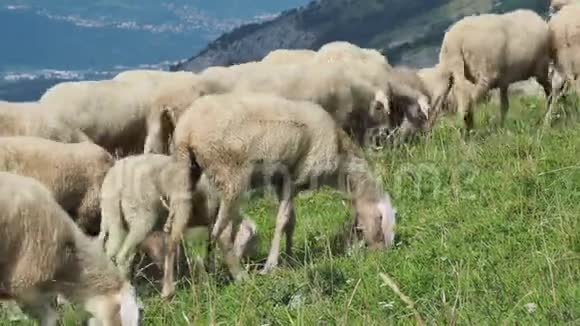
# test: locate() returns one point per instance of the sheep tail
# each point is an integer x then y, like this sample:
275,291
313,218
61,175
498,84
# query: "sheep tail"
458,69
183,153
113,232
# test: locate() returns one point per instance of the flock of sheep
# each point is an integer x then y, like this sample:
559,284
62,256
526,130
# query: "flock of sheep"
95,171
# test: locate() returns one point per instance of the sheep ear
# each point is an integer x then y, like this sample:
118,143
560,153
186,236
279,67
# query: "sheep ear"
388,220
381,97
169,113
424,106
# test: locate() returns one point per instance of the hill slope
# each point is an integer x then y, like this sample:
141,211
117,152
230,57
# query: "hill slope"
407,31
487,234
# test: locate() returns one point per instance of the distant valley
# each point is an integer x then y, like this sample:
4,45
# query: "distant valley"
45,42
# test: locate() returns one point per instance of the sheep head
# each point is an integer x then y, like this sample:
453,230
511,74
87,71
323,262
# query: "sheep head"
380,108
120,308
375,215
376,219
160,125
424,105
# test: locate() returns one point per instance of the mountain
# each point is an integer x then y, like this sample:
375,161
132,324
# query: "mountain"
407,31
46,42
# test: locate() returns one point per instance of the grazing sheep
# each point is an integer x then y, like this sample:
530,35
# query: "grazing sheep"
347,52
34,119
132,208
45,255
405,111
565,43
556,5
372,66
247,140
495,50
171,98
114,114
405,116
73,172
353,102
150,75
439,85
288,56
227,77
434,81
110,112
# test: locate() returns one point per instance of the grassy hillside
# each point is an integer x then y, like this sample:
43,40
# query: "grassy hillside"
488,233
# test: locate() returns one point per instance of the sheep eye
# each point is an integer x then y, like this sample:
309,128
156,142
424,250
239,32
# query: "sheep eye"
379,106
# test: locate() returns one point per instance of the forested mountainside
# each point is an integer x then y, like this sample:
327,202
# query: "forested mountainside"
406,31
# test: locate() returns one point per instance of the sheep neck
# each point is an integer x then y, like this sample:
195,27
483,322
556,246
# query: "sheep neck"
360,182
354,175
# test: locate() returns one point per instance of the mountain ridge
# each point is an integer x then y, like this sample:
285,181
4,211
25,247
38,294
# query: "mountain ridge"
408,32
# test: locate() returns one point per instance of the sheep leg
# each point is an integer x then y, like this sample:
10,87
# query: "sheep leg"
290,227
554,97
111,227
177,228
504,104
39,307
284,218
137,234
465,109
224,216
89,212
228,210
464,98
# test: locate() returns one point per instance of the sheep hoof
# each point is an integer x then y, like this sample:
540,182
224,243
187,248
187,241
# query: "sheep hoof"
60,300
242,277
167,296
167,293
267,269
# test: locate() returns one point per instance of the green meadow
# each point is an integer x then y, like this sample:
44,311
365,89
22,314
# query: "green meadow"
488,233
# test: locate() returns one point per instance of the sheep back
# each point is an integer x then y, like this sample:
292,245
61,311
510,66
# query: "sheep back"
252,129
73,172
565,40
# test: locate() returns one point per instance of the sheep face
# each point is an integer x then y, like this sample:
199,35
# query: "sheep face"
160,126
118,309
376,219
556,78
380,108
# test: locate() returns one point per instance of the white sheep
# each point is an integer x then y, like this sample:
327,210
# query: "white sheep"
247,140
372,66
115,114
355,103
132,207
73,172
140,75
172,99
556,5
288,56
34,119
495,50
439,85
111,113
342,51
565,48
45,255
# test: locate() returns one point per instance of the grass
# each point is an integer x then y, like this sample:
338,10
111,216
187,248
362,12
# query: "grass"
488,233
